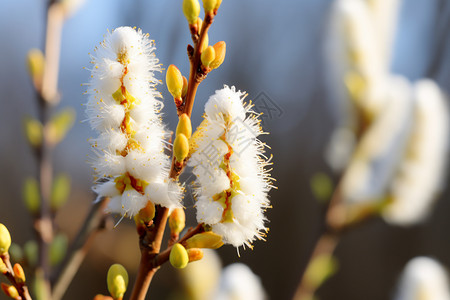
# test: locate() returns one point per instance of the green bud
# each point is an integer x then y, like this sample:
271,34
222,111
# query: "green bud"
31,251
191,10
5,239
117,281
60,124
184,126
33,131
31,195
36,62
58,249
16,252
60,191
174,81
321,187
181,147
208,56
178,256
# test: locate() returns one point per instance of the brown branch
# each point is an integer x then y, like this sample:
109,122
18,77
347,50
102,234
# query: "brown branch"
94,223
151,238
20,286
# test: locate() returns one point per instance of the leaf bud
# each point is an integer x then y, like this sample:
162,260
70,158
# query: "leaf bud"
180,147
36,63
177,220
31,195
184,126
195,254
117,280
220,49
58,249
5,239
185,87
178,256
60,191
3,268
33,131
19,274
206,239
208,56
191,10
10,291
146,214
209,5
174,81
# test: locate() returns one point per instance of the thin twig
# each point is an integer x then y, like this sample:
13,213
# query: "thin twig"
20,286
94,222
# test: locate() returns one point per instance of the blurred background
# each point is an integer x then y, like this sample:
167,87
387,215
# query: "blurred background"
275,53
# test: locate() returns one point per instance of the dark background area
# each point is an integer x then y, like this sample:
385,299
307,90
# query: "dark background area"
274,51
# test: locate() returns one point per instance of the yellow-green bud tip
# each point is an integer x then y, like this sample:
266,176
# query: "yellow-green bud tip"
5,239
178,256
117,280
208,56
191,10
177,220
206,239
184,126
174,81
209,5
36,62
220,49
180,147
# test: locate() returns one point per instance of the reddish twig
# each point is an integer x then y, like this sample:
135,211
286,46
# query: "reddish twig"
20,286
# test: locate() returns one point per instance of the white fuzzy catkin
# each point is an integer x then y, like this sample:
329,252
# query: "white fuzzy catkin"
129,152
422,170
423,278
232,182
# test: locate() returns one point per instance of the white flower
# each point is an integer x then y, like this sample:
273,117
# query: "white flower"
423,278
122,107
422,170
238,282
232,182
382,146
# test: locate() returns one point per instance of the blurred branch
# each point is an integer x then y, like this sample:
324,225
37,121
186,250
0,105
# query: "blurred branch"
336,223
94,222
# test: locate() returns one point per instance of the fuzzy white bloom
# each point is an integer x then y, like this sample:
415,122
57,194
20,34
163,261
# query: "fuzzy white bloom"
385,16
423,279
232,182
354,54
122,107
238,282
422,169
380,150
